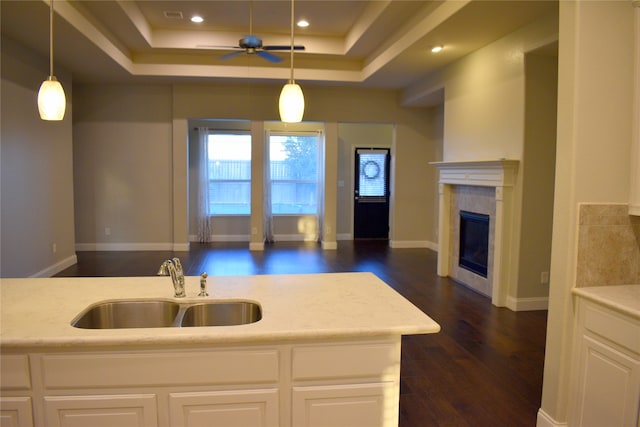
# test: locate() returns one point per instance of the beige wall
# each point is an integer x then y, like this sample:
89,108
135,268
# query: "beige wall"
122,147
36,171
538,173
132,165
595,86
499,102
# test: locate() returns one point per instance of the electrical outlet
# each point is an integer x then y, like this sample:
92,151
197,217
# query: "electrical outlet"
544,278
107,231
254,230
54,248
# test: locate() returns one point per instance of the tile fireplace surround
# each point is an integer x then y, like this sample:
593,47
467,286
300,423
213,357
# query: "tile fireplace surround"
484,187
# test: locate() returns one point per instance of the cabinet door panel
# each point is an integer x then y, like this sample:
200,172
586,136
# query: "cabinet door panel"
137,410
238,408
15,412
608,389
358,405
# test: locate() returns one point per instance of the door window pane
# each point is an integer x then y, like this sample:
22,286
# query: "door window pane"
372,180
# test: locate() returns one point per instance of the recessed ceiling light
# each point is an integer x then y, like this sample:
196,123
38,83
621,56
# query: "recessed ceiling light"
197,19
303,23
436,49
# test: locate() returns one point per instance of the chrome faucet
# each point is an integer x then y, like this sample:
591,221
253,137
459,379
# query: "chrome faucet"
173,268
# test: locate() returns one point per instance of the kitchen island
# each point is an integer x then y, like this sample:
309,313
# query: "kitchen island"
326,351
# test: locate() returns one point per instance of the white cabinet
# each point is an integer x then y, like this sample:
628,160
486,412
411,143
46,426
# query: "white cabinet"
239,408
15,412
346,385
15,405
288,384
132,410
606,387
354,405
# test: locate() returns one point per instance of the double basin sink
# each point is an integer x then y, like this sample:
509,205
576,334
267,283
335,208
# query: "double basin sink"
117,314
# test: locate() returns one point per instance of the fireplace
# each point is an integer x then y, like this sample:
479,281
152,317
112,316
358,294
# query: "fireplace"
483,187
474,242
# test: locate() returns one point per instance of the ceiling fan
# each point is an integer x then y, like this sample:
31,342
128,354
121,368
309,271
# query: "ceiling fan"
252,44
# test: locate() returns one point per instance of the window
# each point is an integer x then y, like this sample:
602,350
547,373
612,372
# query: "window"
229,172
294,160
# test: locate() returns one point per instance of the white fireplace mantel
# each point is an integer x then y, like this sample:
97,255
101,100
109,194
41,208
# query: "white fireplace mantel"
486,173
501,175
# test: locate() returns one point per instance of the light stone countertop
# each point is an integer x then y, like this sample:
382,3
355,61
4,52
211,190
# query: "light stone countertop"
36,313
622,298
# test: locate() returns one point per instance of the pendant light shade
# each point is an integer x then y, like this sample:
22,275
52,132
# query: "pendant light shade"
51,100
291,103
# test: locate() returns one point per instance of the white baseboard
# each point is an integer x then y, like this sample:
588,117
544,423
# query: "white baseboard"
57,267
181,247
405,244
223,238
544,420
132,246
527,304
344,236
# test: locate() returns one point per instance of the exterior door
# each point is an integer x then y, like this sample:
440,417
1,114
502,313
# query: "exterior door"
371,198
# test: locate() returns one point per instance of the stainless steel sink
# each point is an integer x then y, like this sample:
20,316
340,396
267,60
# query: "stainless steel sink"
118,314
128,314
221,314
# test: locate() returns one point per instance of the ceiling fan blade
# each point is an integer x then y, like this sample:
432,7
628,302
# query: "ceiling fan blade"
231,55
268,56
282,47
216,47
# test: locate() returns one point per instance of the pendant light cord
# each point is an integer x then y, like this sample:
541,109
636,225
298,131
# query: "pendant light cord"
51,39
292,26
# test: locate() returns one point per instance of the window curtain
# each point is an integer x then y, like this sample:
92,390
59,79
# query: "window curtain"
267,219
321,187
204,221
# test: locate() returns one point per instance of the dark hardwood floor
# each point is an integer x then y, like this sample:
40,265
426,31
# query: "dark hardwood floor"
483,369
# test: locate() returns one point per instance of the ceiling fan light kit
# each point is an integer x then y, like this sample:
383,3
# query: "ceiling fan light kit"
291,102
51,99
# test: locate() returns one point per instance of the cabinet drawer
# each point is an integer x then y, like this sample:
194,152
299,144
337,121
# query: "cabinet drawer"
620,330
14,372
89,370
346,361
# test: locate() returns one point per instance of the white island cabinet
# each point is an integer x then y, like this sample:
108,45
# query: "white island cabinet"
326,352
606,384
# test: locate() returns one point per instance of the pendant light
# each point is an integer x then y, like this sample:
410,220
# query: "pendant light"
291,98
51,99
